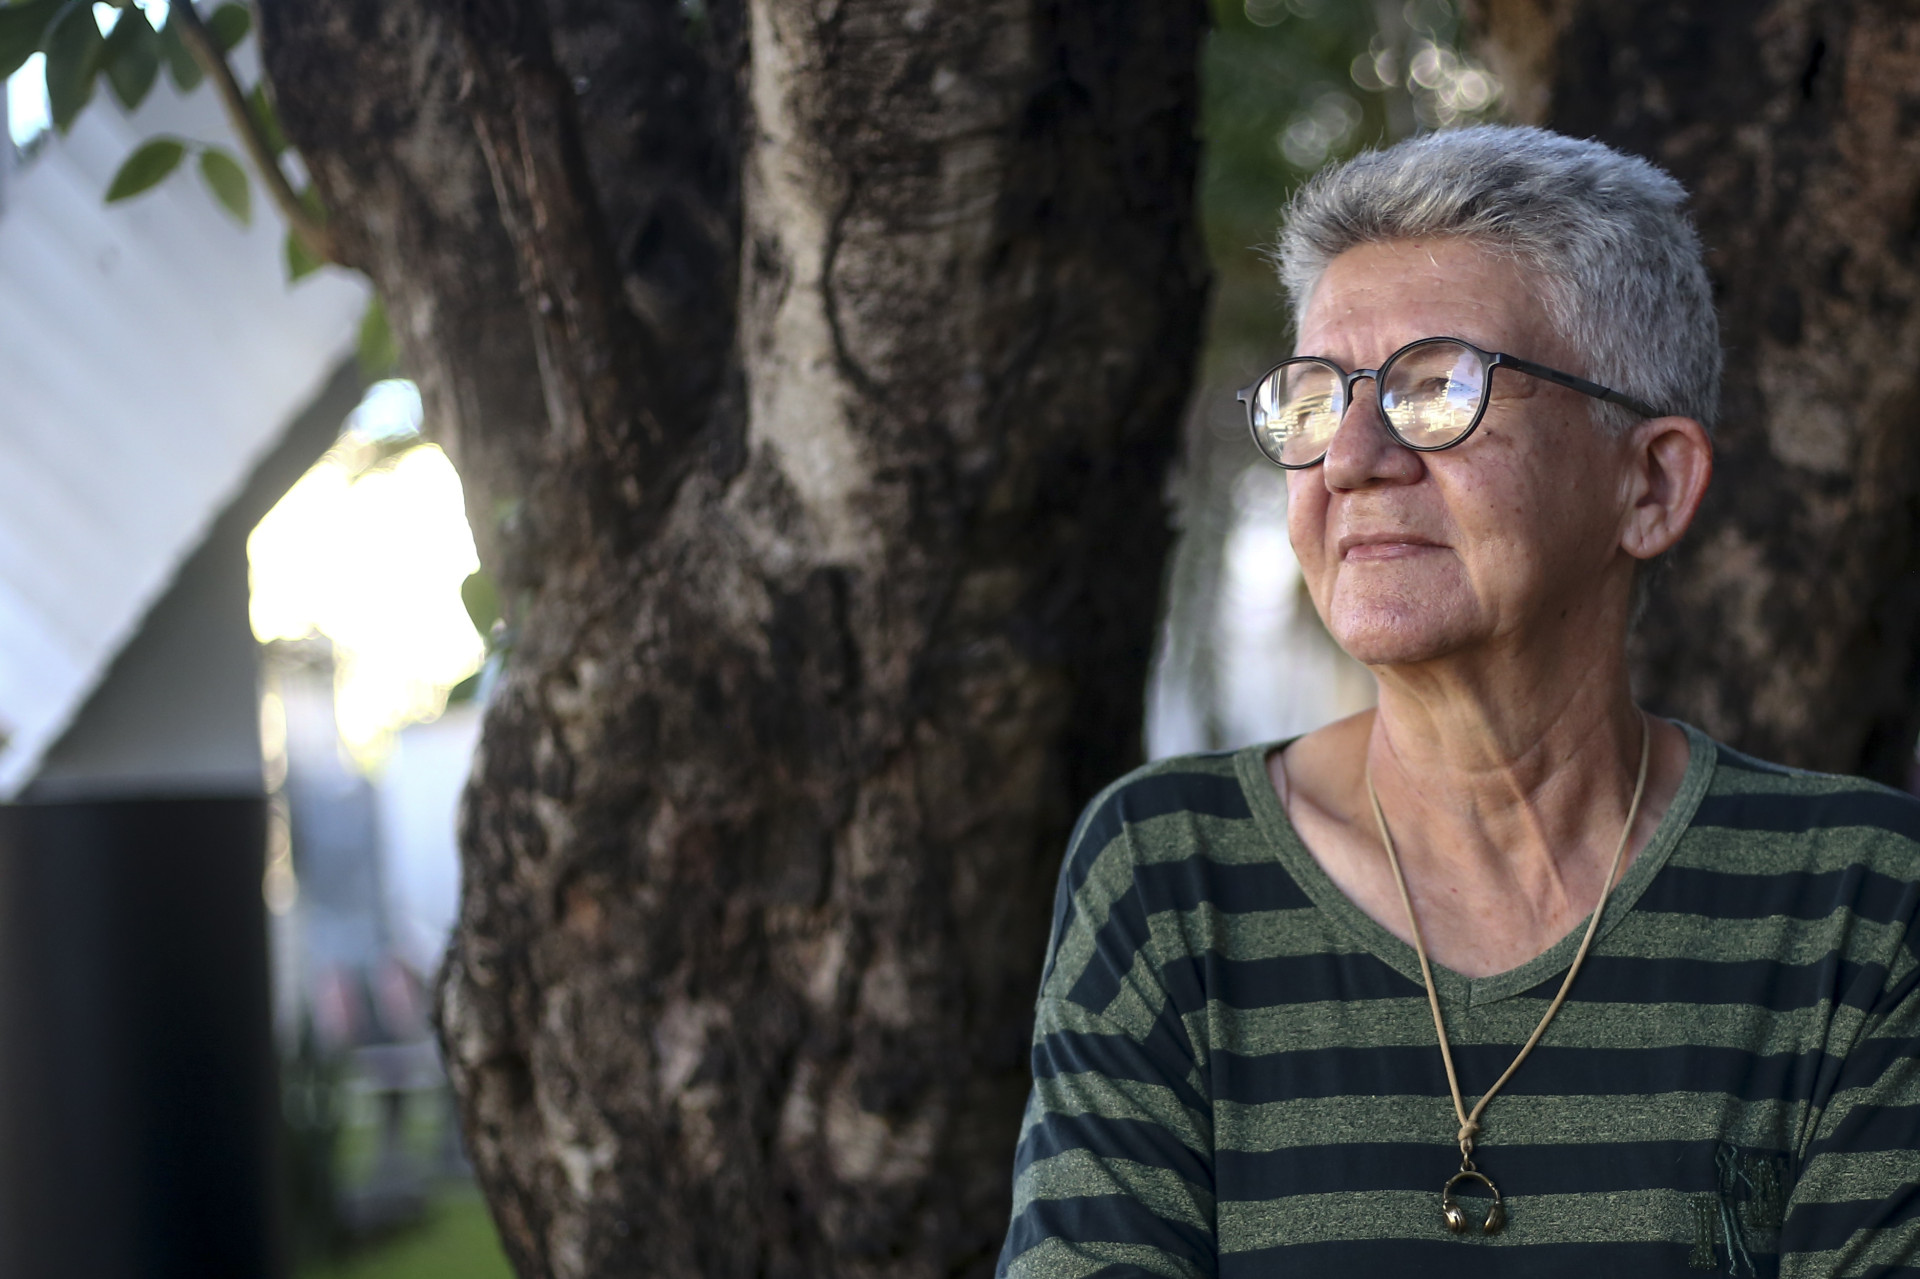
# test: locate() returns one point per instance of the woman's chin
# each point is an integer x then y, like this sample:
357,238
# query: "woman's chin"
1384,615
1397,637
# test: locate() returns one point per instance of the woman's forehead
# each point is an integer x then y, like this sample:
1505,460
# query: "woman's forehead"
1375,298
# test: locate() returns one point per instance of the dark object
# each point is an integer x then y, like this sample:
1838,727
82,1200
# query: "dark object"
310,1090
136,1078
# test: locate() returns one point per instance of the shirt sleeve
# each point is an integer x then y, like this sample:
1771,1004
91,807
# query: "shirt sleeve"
1114,1173
1854,1210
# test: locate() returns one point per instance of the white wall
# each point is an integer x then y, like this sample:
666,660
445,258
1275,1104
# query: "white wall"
417,798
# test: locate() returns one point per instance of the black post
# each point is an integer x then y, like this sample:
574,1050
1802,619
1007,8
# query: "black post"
137,1090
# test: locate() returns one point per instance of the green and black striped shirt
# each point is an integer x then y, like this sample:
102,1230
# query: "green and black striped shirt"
1235,1071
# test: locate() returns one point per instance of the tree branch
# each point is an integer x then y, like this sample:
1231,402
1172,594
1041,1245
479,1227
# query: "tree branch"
199,42
600,364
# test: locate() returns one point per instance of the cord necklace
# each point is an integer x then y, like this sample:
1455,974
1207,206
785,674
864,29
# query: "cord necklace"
1452,1214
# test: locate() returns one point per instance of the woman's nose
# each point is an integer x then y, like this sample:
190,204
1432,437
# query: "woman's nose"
1363,451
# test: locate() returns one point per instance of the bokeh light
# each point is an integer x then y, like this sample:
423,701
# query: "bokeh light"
370,549
29,115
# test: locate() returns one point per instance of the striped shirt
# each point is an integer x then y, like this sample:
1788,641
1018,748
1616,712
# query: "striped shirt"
1235,1071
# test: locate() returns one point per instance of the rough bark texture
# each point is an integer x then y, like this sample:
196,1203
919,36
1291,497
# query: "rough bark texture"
812,368
1789,620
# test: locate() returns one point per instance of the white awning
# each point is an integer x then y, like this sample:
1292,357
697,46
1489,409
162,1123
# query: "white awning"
150,353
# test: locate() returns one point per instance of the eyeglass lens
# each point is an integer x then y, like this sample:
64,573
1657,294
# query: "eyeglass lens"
1429,392
1296,410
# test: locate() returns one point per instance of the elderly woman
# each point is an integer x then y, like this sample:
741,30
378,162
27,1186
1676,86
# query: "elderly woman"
1505,977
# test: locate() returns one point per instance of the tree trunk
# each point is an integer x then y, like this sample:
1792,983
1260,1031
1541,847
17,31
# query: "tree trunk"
1788,622
812,369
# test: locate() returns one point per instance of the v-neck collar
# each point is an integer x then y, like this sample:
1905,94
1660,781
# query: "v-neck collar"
1457,989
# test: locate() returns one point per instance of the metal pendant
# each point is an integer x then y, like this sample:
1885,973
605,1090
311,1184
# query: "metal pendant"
1456,1217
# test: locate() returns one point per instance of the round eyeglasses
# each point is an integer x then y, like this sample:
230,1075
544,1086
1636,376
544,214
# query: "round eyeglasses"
1433,393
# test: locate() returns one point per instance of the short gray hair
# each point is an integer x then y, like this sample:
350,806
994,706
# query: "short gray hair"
1621,272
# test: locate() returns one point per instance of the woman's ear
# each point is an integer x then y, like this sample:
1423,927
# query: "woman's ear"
1671,460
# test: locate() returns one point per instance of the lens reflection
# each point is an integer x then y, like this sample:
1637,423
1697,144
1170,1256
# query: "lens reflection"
1431,393
1296,410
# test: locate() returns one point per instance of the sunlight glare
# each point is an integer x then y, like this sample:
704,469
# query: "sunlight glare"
28,113
370,549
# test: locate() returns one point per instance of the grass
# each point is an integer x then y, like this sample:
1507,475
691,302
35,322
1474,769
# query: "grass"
457,1241
456,1238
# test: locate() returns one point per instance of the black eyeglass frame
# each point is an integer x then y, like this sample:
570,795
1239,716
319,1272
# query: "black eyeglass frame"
1489,361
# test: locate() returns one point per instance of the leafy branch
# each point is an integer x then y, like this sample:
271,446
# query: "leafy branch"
192,49
248,123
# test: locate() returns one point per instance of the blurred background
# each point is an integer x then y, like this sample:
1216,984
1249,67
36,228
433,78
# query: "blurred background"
245,646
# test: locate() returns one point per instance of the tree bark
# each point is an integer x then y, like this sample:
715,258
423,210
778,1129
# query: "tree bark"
1788,622
813,369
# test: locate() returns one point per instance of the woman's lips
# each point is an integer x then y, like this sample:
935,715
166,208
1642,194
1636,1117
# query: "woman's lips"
1384,546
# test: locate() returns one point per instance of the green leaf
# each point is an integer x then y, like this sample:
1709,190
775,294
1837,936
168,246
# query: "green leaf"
378,354
465,691
482,600
310,201
229,25
146,168
185,71
73,63
301,261
131,58
268,120
228,182
23,30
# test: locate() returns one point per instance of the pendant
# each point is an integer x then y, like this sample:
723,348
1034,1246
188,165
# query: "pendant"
1456,1217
